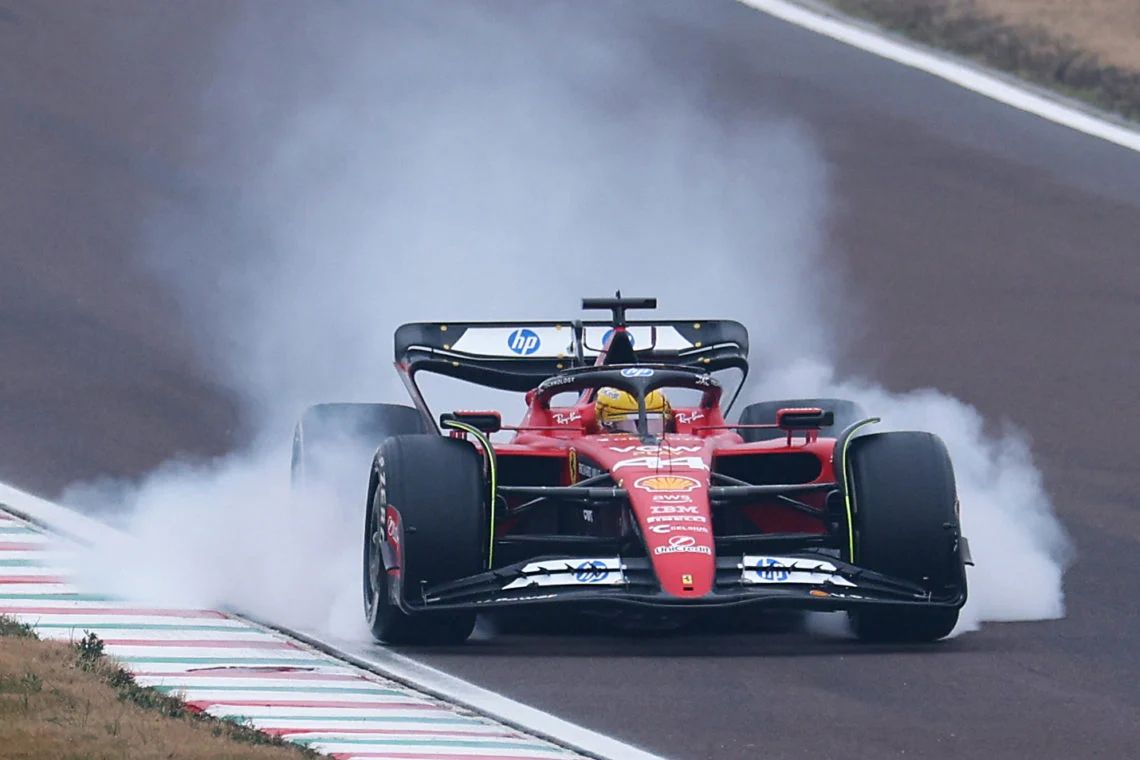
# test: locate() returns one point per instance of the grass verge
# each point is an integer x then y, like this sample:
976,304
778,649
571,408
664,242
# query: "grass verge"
72,703
1035,53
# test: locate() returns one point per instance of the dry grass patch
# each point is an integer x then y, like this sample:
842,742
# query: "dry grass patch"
66,702
1086,50
1110,29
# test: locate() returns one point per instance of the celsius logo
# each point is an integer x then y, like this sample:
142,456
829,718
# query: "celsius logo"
523,341
591,571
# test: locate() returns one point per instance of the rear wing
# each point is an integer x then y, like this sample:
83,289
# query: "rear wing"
517,356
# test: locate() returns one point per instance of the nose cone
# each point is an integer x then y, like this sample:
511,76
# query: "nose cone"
668,487
672,511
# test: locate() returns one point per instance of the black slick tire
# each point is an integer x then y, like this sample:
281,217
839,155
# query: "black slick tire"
764,413
331,430
438,491
906,526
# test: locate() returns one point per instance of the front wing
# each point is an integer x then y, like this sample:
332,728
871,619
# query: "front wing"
796,580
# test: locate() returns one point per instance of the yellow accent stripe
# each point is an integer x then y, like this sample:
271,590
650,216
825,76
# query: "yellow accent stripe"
847,488
486,443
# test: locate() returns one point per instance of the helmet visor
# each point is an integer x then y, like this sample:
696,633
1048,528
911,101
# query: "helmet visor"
655,424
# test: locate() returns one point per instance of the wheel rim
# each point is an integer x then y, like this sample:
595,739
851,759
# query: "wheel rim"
373,579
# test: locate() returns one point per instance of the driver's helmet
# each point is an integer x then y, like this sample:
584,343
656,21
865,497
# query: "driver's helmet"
616,411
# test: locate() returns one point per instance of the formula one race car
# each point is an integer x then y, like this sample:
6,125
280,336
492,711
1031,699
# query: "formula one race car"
624,490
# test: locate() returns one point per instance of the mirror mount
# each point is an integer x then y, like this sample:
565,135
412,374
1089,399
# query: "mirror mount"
807,419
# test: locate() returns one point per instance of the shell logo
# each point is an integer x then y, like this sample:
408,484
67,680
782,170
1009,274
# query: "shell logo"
667,483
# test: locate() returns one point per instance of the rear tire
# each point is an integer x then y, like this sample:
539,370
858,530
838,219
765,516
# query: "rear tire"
764,413
436,492
328,431
906,526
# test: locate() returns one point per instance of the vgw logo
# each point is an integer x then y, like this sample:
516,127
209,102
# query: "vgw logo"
523,341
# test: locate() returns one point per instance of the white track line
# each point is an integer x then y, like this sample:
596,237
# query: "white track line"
59,519
944,67
396,667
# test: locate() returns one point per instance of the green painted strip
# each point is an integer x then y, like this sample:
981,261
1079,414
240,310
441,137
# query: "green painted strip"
22,563
19,529
300,688
64,597
228,661
457,743
847,487
142,627
291,719
493,467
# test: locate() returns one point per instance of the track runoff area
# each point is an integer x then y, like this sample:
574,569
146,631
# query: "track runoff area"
309,691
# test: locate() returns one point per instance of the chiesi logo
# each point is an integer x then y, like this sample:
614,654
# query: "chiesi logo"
682,544
663,463
677,483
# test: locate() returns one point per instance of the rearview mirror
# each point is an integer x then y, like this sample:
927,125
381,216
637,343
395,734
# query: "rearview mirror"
811,418
487,422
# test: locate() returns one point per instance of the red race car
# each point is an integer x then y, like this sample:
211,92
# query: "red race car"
624,490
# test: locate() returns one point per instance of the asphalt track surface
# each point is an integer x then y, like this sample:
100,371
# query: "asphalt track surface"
994,255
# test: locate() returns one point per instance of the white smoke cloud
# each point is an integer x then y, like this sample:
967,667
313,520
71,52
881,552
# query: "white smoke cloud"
231,533
459,165
374,165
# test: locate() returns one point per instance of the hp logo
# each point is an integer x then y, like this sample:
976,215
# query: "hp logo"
637,372
523,342
591,571
772,569
610,333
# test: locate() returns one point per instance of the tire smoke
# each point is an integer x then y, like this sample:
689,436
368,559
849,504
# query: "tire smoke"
1018,546
369,164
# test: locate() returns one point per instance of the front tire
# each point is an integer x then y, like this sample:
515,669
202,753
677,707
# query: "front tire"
426,511
906,526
